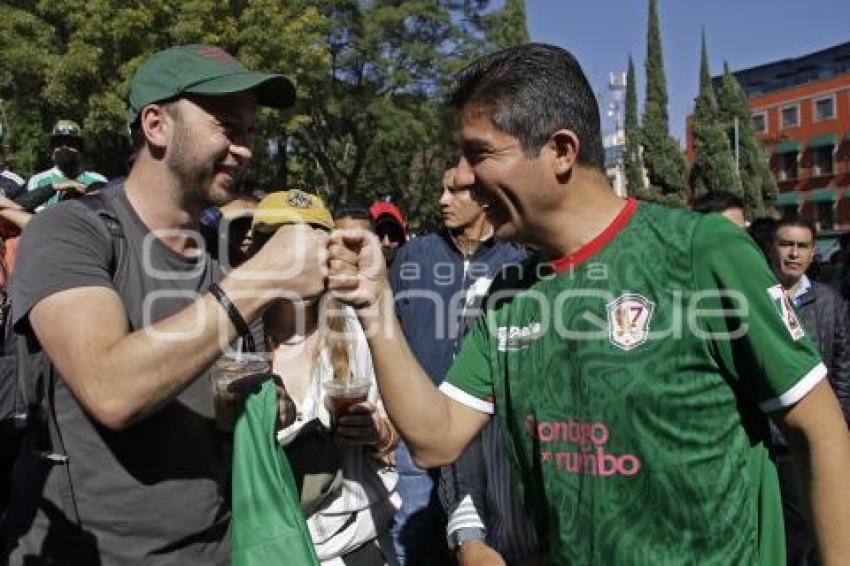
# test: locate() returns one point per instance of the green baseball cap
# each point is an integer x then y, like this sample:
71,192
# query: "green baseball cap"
205,70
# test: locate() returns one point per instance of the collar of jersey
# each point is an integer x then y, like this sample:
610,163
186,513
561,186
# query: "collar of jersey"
596,244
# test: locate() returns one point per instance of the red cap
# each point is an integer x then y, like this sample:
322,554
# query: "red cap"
381,208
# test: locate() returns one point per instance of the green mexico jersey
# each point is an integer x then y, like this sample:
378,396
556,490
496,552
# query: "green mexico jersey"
54,175
632,379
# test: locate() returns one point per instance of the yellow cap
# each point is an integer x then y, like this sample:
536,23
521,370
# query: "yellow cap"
290,207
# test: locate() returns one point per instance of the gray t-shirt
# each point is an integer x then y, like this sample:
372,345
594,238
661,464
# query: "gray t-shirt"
158,491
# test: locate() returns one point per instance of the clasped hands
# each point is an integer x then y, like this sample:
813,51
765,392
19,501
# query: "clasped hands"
300,261
357,273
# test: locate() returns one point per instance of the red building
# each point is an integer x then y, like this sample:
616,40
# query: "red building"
800,109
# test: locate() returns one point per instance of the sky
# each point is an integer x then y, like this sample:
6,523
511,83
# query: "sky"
746,33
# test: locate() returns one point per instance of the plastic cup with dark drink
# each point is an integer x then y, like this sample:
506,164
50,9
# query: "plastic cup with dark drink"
225,374
342,395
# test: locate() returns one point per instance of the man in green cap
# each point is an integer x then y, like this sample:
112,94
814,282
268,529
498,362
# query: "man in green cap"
68,176
135,472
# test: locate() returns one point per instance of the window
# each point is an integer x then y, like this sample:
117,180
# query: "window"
790,117
825,215
759,122
614,155
822,161
786,166
824,108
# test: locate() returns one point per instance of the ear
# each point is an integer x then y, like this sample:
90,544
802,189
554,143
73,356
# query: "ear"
564,145
155,124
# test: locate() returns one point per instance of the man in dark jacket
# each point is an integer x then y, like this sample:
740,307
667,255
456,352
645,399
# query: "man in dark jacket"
437,279
824,316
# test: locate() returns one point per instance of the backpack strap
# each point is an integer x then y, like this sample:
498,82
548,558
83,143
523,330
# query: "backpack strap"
37,375
100,202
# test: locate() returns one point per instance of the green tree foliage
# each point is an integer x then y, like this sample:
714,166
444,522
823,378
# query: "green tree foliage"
75,59
369,74
632,157
372,126
714,167
757,181
507,27
662,157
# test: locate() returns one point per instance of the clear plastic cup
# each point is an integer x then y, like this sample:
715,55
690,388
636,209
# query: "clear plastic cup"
341,396
227,370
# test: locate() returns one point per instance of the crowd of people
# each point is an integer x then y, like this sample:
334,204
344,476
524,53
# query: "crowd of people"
555,376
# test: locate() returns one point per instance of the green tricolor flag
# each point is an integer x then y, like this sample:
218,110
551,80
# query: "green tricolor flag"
268,524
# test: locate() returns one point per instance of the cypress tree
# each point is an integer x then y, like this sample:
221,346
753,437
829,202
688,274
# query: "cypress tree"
662,157
758,184
632,158
714,167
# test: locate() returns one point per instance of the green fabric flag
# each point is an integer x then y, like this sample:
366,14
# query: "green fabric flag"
268,524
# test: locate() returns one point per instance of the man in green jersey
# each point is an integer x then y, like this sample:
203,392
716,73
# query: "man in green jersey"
67,176
631,364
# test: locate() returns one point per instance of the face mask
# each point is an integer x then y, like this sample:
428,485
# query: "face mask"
68,161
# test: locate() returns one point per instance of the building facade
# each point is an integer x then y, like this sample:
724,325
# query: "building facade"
800,110
614,139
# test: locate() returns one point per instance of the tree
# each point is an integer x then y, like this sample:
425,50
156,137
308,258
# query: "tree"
373,127
385,60
75,59
662,157
367,124
632,157
757,181
507,27
714,167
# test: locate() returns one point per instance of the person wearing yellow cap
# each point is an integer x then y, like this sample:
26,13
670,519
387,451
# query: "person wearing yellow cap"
131,313
347,491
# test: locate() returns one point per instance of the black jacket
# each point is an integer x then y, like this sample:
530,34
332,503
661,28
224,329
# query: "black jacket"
825,318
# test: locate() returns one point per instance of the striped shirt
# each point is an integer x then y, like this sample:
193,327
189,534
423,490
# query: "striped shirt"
11,184
477,490
363,506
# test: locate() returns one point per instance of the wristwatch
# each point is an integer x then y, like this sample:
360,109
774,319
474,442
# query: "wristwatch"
459,537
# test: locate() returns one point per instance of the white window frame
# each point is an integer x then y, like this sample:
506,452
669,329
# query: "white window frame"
815,111
763,114
782,110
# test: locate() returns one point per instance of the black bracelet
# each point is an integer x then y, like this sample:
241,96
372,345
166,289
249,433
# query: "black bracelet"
242,328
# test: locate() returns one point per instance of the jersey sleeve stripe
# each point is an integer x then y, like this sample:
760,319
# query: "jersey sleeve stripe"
806,384
12,176
465,398
465,517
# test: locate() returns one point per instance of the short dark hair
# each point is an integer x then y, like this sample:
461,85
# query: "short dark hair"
799,222
763,232
386,225
355,210
137,137
717,201
530,92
